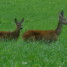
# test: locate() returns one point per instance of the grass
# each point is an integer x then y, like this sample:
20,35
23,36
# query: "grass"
39,15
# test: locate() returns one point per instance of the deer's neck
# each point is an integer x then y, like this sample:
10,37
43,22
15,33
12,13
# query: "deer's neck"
59,28
17,32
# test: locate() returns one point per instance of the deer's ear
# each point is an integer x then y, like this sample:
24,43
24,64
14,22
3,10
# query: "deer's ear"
15,20
62,13
22,20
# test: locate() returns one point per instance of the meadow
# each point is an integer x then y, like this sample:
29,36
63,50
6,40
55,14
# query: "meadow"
38,15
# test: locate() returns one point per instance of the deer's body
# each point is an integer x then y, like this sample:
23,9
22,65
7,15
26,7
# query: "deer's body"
11,35
49,35
40,35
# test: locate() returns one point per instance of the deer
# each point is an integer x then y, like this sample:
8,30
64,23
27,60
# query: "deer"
48,35
12,35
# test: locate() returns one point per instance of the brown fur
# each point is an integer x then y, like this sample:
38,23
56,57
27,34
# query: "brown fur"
6,35
48,36
40,35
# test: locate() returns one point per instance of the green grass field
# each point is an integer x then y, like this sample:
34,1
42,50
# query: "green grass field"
38,15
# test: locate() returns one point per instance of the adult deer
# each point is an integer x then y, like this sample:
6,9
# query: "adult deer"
49,35
12,35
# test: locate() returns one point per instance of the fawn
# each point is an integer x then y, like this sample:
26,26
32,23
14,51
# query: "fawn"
49,35
13,35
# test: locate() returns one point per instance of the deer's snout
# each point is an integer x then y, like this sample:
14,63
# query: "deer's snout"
21,27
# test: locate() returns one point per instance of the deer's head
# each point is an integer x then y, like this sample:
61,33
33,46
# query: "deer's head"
61,18
19,24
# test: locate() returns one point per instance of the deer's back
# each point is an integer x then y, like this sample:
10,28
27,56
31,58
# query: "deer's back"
39,35
8,35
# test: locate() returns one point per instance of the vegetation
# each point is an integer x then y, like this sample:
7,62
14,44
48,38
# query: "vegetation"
38,15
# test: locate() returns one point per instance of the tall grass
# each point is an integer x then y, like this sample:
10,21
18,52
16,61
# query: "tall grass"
39,15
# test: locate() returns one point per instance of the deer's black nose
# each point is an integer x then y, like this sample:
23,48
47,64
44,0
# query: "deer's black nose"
21,28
